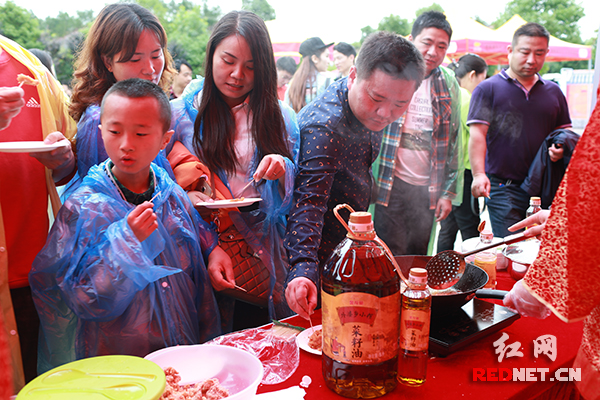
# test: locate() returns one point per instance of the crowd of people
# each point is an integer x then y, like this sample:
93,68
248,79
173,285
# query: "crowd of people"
131,263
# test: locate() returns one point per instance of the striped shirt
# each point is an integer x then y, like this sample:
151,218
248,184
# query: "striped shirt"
445,149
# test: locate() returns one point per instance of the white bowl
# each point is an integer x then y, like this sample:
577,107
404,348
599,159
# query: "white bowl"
237,370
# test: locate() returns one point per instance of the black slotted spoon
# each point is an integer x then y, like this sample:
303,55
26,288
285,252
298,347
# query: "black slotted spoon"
447,267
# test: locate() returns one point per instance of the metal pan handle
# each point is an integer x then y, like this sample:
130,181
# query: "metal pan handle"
491,294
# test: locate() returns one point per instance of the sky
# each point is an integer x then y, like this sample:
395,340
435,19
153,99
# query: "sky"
335,18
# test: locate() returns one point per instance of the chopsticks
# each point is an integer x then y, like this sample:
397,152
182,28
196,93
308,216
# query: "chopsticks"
240,288
279,323
153,197
247,186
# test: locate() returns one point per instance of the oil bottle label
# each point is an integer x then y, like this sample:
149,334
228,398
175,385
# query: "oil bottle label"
360,328
414,330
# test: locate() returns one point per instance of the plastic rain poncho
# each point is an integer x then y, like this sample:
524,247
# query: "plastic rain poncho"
91,151
263,228
99,291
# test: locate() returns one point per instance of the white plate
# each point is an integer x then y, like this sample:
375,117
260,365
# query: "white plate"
302,339
31,147
229,203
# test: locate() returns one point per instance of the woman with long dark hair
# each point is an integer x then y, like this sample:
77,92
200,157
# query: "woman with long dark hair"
125,41
234,124
309,80
470,70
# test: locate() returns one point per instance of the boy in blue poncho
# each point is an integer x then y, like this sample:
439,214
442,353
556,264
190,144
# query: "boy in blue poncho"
123,270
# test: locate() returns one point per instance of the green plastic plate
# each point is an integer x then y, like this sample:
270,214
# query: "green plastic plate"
99,378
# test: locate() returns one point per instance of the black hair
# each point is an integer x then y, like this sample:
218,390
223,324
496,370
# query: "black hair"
287,64
216,142
392,54
136,88
178,62
531,29
44,57
431,19
345,48
468,63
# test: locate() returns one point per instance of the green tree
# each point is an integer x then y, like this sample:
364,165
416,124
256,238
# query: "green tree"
62,36
158,8
20,25
187,26
262,8
63,50
560,17
395,24
186,23
432,7
64,24
211,14
188,35
481,21
366,31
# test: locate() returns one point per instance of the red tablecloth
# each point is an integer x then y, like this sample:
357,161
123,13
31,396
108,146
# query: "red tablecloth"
452,377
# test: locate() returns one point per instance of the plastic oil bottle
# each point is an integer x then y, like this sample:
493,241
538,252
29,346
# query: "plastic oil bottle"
360,298
414,330
535,205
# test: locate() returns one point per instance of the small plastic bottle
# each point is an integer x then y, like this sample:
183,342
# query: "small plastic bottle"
414,330
486,260
535,205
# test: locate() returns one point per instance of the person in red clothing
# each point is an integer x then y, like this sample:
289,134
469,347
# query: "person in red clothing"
565,277
11,102
30,113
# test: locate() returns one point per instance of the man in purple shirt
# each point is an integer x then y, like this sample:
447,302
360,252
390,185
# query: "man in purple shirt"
510,116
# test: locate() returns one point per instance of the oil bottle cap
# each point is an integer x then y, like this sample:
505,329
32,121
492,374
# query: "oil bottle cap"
361,221
418,275
535,201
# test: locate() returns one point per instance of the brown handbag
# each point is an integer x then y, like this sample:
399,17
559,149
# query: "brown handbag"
249,270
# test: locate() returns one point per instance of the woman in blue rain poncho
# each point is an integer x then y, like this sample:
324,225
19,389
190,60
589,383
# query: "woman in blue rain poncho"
233,122
125,41
99,291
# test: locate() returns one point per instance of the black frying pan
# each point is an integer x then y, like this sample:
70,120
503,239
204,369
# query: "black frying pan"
473,279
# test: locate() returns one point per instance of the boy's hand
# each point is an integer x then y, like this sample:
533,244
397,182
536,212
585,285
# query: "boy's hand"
142,220
220,270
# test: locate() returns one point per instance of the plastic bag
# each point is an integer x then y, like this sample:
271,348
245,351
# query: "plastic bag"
280,356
